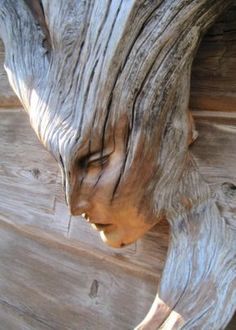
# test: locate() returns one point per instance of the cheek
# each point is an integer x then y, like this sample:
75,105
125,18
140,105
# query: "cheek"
113,170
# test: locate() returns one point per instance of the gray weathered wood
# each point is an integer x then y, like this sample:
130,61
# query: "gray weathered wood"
7,97
212,160
49,285
148,252
113,79
38,203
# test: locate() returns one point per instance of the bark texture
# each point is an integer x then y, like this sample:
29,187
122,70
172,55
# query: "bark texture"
84,70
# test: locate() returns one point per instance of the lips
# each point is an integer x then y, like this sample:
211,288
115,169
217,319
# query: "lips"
101,226
96,225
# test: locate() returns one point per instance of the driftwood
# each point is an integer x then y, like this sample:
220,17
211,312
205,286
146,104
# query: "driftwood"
106,86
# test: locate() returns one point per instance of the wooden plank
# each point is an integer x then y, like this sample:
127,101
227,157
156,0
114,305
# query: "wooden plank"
148,252
213,85
44,285
215,149
213,114
7,96
28,175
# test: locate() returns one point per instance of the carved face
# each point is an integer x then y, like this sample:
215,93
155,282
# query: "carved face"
111,203
110,105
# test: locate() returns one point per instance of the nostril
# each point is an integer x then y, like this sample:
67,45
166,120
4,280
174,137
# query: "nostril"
75,210
75,205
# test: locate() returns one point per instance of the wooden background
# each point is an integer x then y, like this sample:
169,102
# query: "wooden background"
55,273
214,68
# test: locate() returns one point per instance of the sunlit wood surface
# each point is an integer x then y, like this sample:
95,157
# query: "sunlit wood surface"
55,272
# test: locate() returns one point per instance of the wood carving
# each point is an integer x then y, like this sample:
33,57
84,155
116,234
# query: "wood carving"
106,86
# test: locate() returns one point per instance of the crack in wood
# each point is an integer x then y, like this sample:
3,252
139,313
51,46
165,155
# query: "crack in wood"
94,289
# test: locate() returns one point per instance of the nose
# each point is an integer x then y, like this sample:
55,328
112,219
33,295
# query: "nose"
69,196
75,203
72,209
76,207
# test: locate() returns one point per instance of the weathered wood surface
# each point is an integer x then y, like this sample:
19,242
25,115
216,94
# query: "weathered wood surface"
26,165
107,92
31,176
7,97
48,285
37,200
215,149
213,84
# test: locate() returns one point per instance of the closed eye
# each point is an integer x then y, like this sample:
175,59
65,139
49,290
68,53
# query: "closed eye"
98,162
93,160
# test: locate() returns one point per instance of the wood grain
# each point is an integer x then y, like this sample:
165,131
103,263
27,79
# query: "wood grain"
35,184
30,182
115,83
215,149
213,85
40,216
7,97
45,286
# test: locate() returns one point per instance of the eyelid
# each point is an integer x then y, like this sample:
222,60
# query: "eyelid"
97,155
98,159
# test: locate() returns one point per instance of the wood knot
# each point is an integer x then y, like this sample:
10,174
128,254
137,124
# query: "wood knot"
229,190
35,172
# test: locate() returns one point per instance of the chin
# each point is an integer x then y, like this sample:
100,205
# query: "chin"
112,240
116,239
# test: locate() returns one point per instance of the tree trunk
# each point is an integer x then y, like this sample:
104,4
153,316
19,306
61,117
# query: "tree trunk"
95,75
